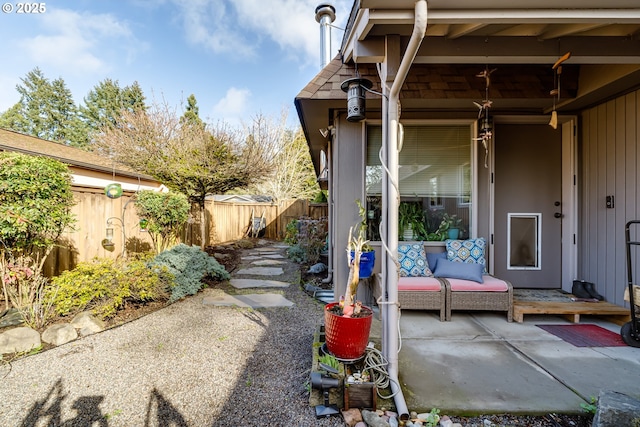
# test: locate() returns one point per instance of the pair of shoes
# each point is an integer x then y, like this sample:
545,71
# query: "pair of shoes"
578,290
582,289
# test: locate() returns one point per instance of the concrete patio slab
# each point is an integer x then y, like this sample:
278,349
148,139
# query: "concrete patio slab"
257,283
478,363
261,271
471,377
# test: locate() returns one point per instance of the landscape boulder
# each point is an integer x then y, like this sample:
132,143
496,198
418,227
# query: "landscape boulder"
616,409
60,333
19,339
87,323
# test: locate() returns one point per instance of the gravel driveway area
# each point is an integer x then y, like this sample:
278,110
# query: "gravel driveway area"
188,364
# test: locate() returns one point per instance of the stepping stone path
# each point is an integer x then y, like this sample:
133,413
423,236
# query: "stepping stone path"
257,283
261,261
249,300
261,271
268,262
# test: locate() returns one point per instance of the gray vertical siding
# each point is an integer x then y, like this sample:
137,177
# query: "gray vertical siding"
348,170
609,158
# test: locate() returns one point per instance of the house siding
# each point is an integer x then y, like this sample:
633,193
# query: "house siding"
348,170
609,159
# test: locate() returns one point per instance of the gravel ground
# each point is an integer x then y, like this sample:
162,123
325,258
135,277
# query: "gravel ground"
185,365
188,364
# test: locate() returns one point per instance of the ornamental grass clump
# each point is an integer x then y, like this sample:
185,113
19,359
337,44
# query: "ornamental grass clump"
188,265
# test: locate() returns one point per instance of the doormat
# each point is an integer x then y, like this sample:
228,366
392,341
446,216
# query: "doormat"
585,335
548,295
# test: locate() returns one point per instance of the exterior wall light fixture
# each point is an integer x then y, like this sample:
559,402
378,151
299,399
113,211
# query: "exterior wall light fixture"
355,88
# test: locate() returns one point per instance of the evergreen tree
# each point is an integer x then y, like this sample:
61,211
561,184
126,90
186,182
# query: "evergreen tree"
104,104
45,109
191,115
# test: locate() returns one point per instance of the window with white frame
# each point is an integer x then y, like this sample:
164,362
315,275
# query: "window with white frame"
435,181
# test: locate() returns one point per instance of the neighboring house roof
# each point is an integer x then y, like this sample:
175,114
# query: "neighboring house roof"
27,144
88,169
240,198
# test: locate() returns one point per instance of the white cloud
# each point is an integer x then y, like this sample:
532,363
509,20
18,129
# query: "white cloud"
239,26
233,106
211,23
75,41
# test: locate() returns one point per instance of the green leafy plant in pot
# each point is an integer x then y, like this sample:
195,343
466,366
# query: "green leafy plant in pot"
411,221
348,322
451,223
449,228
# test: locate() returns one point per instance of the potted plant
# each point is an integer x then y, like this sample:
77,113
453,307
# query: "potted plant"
368,255
452,225
410,221
447,229
348,322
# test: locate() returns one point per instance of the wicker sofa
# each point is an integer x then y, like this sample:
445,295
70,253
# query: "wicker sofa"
422,293
455,292
492,295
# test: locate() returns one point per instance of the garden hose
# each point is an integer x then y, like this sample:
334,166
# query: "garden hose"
375,363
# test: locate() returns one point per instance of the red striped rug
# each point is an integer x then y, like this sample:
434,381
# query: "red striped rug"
585,335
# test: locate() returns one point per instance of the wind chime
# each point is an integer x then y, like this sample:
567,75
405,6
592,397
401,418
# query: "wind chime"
485,132
557,71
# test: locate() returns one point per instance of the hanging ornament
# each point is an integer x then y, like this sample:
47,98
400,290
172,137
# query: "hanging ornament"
486,125
113,190
557,71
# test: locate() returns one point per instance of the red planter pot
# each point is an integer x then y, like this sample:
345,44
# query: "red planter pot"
346,337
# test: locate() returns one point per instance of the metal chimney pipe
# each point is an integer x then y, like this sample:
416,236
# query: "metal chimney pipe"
325,15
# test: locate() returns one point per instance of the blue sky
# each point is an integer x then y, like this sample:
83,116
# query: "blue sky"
238,57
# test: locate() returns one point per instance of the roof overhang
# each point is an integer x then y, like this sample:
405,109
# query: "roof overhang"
500,31
603,37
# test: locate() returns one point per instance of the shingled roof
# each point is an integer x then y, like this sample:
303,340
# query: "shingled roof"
443,81
27,144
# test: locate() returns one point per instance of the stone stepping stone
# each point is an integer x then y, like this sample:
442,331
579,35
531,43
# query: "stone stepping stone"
251,258
268,249
275,256
257,283
265,300
250,300
268,262
261,271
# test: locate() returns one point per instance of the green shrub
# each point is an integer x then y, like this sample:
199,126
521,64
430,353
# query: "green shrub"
296,254
105,285
291,232
311,240
165,214
189,265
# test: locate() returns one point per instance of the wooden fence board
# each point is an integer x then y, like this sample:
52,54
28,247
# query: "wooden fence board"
225,222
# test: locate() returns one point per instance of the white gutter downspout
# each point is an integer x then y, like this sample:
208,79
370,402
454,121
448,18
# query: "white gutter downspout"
391,148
